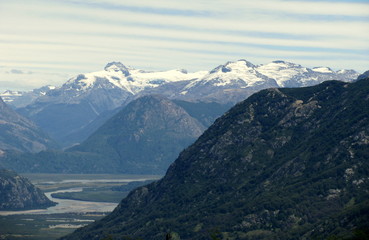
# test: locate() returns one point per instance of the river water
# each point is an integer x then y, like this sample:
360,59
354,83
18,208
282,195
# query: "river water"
75,206
67,206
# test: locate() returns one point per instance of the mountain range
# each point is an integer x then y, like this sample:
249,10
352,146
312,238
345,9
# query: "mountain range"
145,136
70,113
286,163
18,99
19,133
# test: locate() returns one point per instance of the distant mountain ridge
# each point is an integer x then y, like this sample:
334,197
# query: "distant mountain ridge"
66,111
286,74
287,163
144,137
19,133
18,99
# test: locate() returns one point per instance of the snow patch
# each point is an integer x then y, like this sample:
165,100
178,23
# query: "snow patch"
323,70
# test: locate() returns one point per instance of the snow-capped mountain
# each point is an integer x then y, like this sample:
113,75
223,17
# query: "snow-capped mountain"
240,74
294,75
235,81
18,99
230,82
8,96
65,111
133,81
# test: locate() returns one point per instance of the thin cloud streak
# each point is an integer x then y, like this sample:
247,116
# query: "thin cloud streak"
224,6
63,17
73,36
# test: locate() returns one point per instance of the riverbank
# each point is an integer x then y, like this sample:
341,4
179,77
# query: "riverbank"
67,215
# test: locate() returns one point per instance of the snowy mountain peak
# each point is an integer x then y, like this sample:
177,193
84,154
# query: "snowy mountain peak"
294,75
236,75
240,65
283,64
245,62
240,74
346,71
117,67
279,61
184,71
8,96
322,70
11,93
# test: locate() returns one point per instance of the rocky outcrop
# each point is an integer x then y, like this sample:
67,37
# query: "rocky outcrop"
18,193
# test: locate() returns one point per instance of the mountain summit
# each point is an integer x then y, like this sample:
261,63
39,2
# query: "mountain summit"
85,97
117,67
284,164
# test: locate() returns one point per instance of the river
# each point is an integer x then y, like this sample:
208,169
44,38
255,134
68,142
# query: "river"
77,206
67,206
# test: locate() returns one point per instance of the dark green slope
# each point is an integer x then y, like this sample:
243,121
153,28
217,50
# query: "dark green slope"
283,164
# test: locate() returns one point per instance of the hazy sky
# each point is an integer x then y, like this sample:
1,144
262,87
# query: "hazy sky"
47,41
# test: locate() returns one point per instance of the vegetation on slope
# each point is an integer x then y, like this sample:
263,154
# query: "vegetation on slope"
283,164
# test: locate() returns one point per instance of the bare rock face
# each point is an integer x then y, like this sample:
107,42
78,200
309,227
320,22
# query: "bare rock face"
19,133
17,193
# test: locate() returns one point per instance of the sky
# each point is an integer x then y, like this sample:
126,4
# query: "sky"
46,42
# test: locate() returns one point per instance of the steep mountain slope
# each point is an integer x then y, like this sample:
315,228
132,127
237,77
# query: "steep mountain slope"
283,164
19,133
146,136
18,193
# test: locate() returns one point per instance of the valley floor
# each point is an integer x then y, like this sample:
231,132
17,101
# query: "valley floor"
67,215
